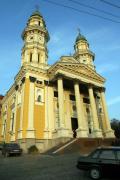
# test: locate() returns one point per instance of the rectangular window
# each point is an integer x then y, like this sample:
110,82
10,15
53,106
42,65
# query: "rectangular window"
95,154
55,94
107,154
72,97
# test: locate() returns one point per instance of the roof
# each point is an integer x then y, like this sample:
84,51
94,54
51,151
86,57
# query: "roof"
80,37
36,13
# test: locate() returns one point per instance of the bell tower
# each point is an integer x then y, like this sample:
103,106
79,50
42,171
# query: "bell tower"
35,37
82,51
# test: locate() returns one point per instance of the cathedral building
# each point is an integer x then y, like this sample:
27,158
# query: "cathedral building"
48,104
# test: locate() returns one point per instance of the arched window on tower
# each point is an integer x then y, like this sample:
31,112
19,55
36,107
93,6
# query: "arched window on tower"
30,57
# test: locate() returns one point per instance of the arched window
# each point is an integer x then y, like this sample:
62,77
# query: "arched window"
39,99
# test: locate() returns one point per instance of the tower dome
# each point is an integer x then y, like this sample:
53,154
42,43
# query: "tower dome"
82,51
35,37
36,13
80,37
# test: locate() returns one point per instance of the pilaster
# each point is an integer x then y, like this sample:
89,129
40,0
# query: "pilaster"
21,113
30,129
15,117
49,112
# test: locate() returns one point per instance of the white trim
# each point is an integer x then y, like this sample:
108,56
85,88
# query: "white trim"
66,145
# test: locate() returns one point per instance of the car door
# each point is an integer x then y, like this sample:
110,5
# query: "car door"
107,160
118,160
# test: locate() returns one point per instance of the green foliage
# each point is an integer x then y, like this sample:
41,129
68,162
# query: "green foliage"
33,150
115,125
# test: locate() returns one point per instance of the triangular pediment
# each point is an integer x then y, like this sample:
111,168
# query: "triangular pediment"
78,69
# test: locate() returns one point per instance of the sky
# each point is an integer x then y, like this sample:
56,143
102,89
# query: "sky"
62,23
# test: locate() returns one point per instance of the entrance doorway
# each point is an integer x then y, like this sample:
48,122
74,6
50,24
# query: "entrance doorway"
74,123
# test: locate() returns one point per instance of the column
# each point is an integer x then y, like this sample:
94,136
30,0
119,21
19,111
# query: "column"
30,129
62,130
81,131
97,132
61,102
109,131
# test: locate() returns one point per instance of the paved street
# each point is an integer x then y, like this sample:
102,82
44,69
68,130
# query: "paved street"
41,167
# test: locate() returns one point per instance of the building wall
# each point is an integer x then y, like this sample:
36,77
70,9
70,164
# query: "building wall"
39,121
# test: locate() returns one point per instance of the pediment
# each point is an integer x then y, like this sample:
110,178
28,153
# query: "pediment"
81,70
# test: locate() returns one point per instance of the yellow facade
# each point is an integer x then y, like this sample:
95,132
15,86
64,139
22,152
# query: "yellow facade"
25,107
46,103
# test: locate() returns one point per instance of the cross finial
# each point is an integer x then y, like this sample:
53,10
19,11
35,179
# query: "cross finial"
79,30
37,7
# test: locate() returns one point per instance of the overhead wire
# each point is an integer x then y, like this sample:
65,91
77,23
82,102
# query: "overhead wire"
96,9
80,11
111,4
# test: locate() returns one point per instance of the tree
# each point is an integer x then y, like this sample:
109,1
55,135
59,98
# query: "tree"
115,125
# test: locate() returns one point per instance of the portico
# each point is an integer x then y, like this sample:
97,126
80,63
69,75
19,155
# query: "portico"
89,125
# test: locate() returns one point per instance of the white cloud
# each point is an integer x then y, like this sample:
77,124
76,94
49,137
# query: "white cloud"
114,101
105,68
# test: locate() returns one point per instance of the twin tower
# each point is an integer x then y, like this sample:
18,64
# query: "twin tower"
36,37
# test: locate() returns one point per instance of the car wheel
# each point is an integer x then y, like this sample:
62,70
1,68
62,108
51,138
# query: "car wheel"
95,173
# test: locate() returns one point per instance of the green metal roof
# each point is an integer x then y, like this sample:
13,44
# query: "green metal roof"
80,37
36,13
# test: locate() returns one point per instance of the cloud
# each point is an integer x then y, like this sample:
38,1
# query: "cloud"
105,68
113,101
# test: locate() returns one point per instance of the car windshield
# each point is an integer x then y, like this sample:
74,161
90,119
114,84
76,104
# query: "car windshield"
12,145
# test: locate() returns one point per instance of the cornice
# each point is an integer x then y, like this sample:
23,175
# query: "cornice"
77,69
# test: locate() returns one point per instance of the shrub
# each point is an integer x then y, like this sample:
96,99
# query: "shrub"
33,150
